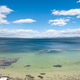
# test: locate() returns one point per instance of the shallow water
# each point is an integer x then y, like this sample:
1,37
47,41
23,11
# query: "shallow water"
40,55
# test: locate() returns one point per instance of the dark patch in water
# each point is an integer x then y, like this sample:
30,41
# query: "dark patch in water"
28,75
42,73
40,77
27,66
71,50
2,67
54,51
57,66
31,77
49,51
7,61
77,63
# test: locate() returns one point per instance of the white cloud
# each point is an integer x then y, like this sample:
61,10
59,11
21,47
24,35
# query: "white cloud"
78,16
71,12
2,21
24,21
60,33
2,16
3,12
78,1
17,33
59,22
33,33
4,9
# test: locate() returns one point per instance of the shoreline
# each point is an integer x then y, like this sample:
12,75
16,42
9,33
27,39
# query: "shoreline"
55,75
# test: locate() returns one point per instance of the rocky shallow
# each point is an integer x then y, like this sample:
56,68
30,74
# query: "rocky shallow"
7,61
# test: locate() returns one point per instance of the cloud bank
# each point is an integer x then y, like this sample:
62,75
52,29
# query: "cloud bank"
17,33
24,21
21,33
4,10
62,33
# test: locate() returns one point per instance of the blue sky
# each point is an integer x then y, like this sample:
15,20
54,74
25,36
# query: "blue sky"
39,18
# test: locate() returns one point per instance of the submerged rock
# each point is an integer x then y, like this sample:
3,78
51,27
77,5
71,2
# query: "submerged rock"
57,65
40,77
29,77
7,61
42,73
77,62
27,66
3,68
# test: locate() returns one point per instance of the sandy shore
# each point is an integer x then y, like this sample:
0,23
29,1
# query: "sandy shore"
55,75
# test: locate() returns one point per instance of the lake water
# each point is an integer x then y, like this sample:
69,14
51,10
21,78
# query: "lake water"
58,58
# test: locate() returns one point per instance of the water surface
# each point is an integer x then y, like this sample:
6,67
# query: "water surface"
40,55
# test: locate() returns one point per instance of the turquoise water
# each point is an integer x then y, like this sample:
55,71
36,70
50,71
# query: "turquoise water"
42,55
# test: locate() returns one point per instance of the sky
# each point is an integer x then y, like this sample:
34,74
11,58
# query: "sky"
39,18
